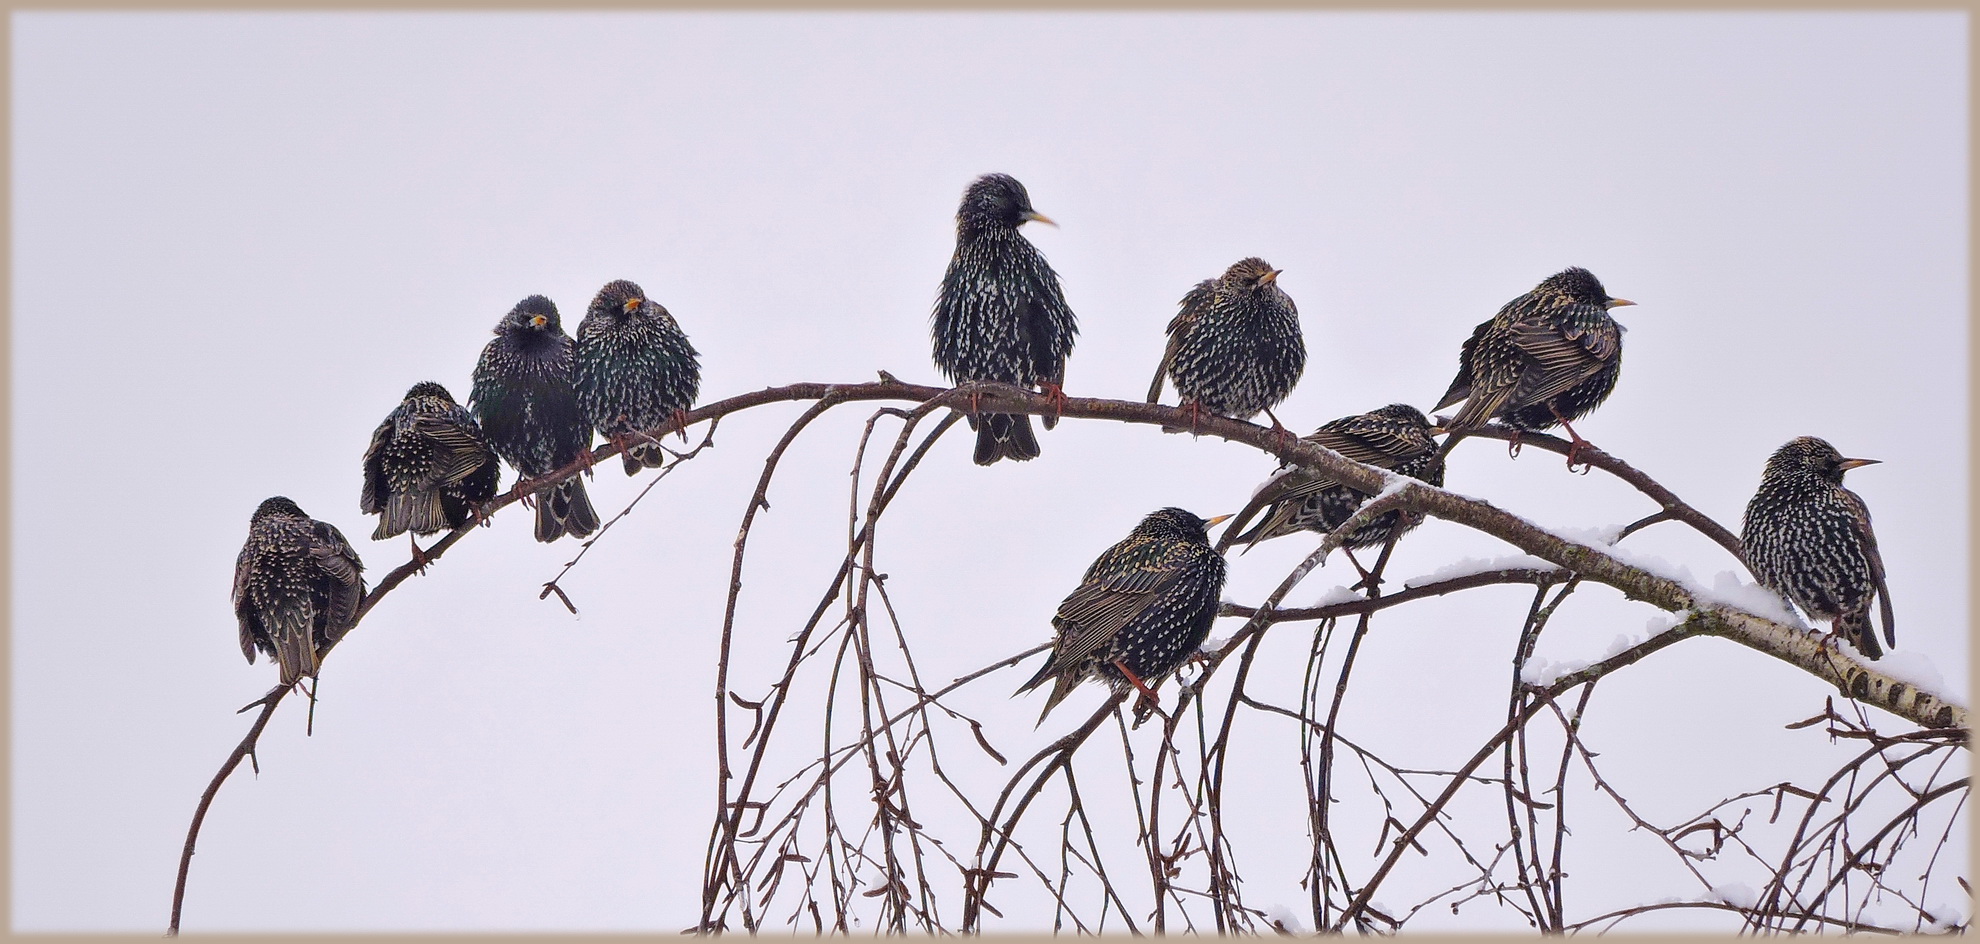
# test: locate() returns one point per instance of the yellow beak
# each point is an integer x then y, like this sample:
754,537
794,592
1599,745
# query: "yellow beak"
1848,464
537,321
1215,520
1618,303
1037,217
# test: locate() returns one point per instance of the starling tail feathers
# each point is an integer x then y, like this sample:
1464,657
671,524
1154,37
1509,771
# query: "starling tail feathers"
1005,436
563,510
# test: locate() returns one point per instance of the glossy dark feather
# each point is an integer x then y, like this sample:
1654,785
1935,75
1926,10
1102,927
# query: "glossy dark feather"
528,408
635,368
1395,437
1553,349
1146,603
427,467
297,587
1000,315
1809,539
1235,346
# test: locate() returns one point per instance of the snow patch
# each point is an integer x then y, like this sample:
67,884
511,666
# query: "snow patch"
1285,918
1915,669
1736,894
1468,566
1540,671
1338,594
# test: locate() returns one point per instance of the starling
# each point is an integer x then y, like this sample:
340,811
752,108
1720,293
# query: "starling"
1808,538
1000,316
1396,437
1235,346
1547,358
529,410
1143,607
297,586
427,468
635,370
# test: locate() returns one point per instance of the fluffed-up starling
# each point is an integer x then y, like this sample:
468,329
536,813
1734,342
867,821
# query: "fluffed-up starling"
528,408
1547,358
297,586
635,370
1396,437
1000,315
428,466
1143,607
1235,347
1808,538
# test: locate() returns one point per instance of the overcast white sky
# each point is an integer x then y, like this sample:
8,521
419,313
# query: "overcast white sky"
239,237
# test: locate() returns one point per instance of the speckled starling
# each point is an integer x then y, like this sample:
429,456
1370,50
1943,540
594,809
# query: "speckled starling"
1000,315
297,586
1234,346
1808,538
1396,437
635,370
1143,607
528,408
1547,358
427,467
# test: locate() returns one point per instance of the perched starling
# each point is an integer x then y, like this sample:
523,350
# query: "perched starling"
1808,538
297,586
1234,347
1000,315
1547,358
1396,437
529,410
635,370
1143,607
427,467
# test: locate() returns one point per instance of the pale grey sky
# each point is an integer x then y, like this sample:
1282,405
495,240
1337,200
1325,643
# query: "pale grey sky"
239,237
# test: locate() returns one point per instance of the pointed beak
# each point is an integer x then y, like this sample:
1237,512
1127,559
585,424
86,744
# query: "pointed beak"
1272,276
1618,303
1215,520
1848,464
537,321
1438,430
632,305
1034,216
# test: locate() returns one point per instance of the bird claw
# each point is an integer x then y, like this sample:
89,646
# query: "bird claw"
1056,395
419,558
1512,445
681,421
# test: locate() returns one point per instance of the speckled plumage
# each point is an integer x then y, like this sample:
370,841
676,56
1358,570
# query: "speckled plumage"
1395,437
1553,349
635,368
297,587
1235,347
528,408
1000,315
1147,603
1809,539
427,467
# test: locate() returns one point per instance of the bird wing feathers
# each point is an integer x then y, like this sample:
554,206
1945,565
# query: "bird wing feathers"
1861,520
243,609
1192,307
461,447
372,501
1560,353
334,557
1091,616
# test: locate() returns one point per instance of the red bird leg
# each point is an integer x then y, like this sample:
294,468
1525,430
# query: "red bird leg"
1513,444
1280,434
1136,681
420,560
521,491
1366,577
1195,415
681,423
1574,448
1057,395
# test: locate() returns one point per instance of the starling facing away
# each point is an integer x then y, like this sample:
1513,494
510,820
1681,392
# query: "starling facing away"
1234,347
529,410
635,370
1396,437
1808,538
1000,315
297,586
427,468
1143,607
1547,358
